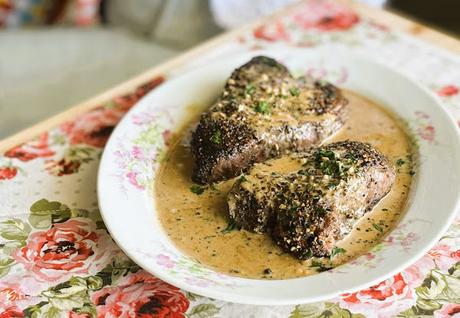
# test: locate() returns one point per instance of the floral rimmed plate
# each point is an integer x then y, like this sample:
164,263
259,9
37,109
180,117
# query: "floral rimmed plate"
130,159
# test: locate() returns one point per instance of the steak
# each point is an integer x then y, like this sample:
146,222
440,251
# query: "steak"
263,112
306,212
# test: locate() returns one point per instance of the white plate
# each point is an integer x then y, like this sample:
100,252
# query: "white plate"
131,157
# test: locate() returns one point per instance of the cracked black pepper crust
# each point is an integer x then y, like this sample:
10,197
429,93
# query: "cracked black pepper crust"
263,112
308,211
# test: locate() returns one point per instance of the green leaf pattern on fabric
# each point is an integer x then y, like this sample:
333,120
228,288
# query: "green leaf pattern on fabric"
5,263
14,230
439,289
43,213
71,296
204,311
322,310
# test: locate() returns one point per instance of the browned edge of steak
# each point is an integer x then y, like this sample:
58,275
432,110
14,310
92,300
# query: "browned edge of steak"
225,142
307,212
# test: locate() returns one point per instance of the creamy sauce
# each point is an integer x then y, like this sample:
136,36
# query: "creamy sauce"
198,223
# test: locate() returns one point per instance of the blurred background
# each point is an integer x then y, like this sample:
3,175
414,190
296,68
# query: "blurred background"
56,53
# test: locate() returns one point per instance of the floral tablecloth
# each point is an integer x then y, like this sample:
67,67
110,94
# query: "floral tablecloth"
57,259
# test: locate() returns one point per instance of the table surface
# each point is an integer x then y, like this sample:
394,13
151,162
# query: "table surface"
56,259
387,18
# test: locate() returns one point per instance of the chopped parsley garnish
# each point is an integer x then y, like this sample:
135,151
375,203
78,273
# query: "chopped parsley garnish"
213,188
328,162
400,162
216,138
197,189
320,210
232,226
377,227
336,251
351,157
294,91
263,107
250,89
243,178
320,154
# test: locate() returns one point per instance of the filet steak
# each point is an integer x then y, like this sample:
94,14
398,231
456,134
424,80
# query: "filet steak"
263,112
306,212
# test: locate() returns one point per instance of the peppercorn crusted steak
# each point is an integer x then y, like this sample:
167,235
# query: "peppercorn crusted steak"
308,211
263,112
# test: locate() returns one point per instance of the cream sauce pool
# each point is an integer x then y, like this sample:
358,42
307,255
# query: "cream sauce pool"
195,218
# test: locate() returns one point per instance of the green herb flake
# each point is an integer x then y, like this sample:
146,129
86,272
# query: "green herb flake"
350,157
243,178
263,107
412,172
214,188
197,189
327,162
336,251
320,210
331,185
322,82
319,266
250,89
216,138
232,226
377,227
400,162
294,91
303,172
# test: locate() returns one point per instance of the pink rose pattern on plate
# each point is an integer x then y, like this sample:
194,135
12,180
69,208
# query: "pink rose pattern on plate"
137,159
57,260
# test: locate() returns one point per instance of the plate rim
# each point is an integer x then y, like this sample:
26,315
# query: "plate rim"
292,300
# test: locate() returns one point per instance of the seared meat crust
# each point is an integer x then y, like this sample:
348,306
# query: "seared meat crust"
263,112
306,212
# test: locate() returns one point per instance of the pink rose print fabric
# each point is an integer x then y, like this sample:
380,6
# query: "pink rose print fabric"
448,90
38,148
140,295
64,250
329,16
58,260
